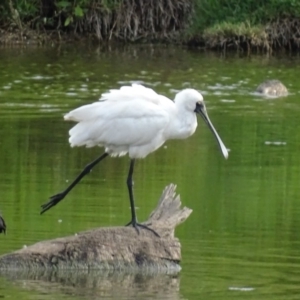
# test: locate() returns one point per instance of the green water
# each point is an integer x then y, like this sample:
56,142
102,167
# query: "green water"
242,240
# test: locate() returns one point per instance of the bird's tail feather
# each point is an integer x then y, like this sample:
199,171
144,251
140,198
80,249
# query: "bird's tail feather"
83,113
79,136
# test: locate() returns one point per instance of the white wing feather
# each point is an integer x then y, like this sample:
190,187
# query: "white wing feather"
124,94
128,120
133,92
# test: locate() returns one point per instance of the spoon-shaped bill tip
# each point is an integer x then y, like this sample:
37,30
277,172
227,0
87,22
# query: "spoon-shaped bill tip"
221,144
203,113
224,150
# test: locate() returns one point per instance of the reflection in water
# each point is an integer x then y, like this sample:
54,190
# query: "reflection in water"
96,284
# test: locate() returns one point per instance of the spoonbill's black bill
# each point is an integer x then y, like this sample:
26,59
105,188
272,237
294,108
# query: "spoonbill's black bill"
133,120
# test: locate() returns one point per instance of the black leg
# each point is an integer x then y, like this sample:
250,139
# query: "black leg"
58,197
130,190
2,225
134,221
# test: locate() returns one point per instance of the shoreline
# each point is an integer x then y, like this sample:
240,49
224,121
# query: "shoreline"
279,35
211,25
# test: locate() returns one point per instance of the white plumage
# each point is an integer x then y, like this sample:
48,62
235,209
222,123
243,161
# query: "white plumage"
134,120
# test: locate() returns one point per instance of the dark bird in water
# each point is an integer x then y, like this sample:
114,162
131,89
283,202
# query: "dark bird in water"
272,88
2,225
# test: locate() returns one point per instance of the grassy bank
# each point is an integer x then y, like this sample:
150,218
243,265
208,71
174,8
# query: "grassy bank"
244,24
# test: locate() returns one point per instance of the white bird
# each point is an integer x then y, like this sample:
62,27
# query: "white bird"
134,120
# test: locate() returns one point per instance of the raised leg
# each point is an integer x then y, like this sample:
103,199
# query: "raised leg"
58,197
2,225
134,221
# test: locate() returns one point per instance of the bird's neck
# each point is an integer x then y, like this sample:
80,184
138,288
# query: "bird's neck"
183,126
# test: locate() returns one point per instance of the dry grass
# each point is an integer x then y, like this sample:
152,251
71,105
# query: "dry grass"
284,33
133,20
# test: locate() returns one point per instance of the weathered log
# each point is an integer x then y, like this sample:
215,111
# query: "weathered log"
112,248
272,88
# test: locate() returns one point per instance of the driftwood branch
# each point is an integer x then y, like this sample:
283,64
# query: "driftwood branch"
112,248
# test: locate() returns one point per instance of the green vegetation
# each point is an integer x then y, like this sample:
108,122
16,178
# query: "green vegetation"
235,34
212,12
211,23
249,23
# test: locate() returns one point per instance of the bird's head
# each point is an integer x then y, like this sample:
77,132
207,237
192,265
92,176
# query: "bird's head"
188,98
193,101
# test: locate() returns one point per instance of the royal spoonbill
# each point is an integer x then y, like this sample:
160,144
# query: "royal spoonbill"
2,225
134,120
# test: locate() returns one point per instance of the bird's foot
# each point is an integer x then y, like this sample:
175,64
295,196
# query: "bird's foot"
136,225
52,202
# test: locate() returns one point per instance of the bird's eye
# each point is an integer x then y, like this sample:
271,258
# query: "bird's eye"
199,105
